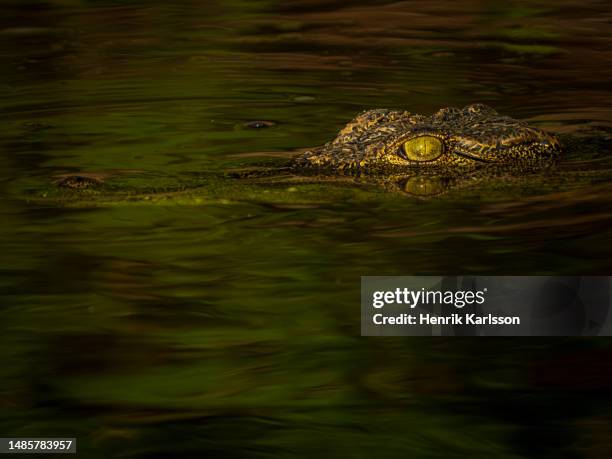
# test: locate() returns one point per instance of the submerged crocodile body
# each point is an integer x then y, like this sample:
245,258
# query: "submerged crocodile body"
470,151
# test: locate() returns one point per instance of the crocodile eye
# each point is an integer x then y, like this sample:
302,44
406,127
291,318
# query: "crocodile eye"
424,148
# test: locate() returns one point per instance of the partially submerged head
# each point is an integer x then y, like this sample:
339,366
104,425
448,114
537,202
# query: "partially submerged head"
390,139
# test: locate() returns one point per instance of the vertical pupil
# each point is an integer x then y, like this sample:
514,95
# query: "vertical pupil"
422,147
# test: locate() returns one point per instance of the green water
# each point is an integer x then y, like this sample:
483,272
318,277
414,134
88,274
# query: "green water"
230,327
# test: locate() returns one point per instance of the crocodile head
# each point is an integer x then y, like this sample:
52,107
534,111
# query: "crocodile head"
384,140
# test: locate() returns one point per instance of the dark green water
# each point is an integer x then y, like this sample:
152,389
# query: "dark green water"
230,328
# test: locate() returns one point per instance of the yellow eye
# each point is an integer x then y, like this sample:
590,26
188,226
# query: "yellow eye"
424,148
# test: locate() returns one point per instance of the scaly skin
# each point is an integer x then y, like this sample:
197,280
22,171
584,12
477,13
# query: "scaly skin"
375,142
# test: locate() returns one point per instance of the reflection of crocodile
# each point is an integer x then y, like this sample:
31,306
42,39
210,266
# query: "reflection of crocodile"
473,148
379,141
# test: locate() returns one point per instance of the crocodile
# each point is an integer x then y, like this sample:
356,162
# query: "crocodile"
386,141
389,141
386,150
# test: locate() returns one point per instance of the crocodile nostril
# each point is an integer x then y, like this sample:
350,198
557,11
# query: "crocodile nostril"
78,182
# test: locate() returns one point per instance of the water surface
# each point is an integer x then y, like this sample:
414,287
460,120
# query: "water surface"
151,330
